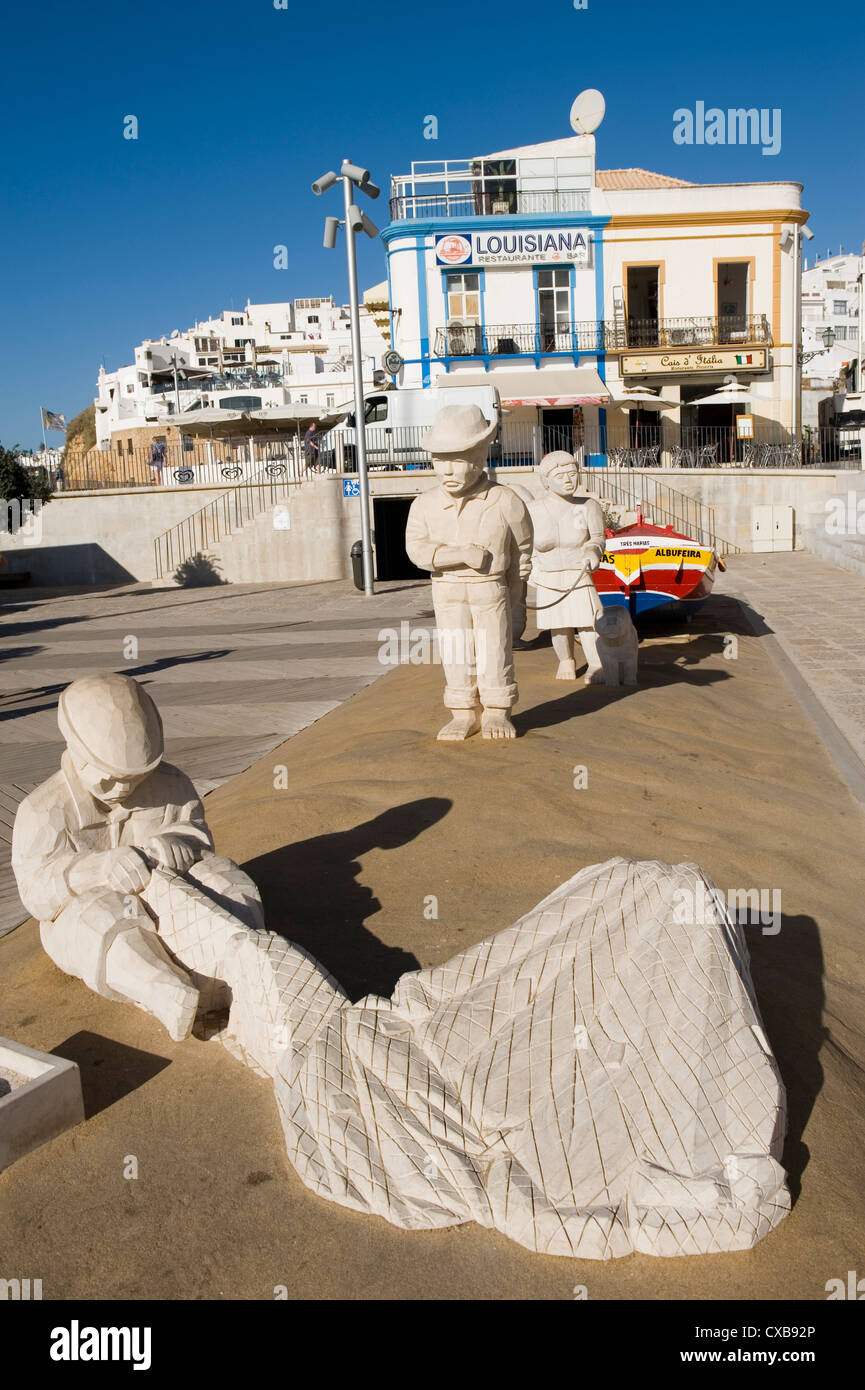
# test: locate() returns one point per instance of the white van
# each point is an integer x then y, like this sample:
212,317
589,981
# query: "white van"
396,422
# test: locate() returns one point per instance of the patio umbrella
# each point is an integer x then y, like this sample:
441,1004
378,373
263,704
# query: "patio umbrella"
644,398
731,393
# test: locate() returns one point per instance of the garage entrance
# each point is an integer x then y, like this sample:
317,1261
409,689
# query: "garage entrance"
390,515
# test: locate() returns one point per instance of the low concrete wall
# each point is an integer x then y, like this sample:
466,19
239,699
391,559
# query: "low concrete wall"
107,537
734,492
102,537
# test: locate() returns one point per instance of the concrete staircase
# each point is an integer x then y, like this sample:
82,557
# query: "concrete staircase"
288,530
835,531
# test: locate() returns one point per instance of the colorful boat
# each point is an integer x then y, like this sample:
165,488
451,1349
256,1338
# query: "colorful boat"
647,567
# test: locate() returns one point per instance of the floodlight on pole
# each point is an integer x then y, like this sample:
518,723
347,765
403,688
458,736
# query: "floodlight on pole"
354,172
355,221
326,181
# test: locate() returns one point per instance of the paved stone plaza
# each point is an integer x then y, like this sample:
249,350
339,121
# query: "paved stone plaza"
816,613
234,670
707,760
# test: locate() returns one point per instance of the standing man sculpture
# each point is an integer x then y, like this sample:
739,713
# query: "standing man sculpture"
568,546
475,537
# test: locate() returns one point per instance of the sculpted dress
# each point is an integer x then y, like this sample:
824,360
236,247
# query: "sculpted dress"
567,532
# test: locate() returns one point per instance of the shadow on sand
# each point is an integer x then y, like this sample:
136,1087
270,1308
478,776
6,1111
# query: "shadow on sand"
313,896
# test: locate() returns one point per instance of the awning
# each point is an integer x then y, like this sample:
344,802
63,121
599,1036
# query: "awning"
569,386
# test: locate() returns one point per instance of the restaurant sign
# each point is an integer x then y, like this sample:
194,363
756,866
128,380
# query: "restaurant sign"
546,244
705,360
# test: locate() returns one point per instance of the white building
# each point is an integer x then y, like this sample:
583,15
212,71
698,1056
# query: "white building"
569,287
260,357
832,291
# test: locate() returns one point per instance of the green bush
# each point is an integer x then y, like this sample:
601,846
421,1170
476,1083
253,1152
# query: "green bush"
30,484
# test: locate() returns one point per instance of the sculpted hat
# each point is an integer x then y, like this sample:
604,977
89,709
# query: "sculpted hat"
110,721
457,429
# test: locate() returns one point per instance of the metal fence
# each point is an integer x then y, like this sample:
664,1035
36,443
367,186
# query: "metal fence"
198,462
521,444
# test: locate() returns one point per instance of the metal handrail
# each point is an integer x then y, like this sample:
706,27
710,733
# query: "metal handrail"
226,514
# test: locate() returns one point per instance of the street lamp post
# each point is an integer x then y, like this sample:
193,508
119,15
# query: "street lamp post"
828,337
356,220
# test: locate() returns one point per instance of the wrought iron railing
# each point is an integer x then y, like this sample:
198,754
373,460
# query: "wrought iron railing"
694,331
533,339
518,339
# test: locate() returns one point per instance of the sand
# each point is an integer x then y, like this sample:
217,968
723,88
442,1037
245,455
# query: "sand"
387,850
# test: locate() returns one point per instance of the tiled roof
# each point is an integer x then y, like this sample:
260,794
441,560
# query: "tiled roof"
637,178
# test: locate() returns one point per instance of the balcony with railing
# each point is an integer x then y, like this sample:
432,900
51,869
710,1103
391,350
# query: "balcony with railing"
537,339
694,331
483,188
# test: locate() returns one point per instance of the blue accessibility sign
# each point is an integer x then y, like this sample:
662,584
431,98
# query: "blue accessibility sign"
351,487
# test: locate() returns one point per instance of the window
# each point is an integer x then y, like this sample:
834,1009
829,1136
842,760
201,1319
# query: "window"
554,309
241,342
375,412
464,297
841,331
130,390
303,400
330,401
237,320
129,446
839,306
312,318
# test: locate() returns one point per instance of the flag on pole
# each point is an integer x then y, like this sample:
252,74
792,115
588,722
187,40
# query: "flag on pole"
50,421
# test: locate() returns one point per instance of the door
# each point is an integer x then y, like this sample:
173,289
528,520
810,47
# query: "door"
390,515
558,430
732,304
643,306
554,310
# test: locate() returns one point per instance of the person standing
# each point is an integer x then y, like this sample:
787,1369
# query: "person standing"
311,447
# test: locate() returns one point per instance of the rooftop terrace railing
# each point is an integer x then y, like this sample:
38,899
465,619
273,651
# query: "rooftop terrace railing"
480,201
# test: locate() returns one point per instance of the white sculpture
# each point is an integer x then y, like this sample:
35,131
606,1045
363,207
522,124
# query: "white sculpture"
568,546
618,648
591,1081
98,848
475,538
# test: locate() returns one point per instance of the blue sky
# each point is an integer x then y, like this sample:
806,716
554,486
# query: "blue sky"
105,241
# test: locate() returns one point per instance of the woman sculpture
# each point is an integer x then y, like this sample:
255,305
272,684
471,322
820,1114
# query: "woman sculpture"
568,546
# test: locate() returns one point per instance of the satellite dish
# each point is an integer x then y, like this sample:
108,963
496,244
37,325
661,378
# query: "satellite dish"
587,111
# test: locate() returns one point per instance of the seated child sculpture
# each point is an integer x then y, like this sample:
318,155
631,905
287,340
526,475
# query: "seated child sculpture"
618,648
568,546
113,856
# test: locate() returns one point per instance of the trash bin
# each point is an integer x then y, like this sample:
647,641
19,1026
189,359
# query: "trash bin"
357,564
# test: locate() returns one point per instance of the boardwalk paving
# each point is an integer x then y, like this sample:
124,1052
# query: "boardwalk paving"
235,671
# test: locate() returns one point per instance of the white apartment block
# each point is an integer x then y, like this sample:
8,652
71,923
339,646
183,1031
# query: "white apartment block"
832,297
259,357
